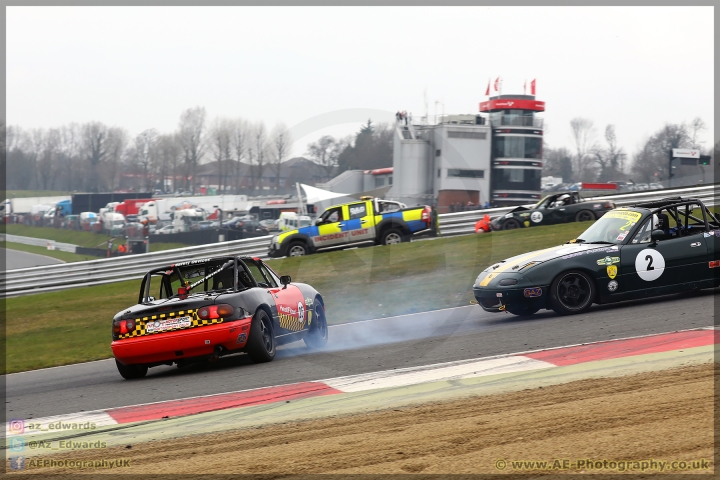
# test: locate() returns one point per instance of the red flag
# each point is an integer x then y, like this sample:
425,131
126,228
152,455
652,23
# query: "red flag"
532,87
497,83
487,91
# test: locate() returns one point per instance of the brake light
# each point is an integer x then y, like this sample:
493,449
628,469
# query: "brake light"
426,215
216,311
122,327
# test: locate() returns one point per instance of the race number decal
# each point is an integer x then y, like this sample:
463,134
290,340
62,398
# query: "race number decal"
649,264
536,217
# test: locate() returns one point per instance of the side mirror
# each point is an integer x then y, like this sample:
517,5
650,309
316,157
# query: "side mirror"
656,235
285,280
318,222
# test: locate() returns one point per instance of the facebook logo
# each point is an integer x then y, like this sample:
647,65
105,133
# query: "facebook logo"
17,463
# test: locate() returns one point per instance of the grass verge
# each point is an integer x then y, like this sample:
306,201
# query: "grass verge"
356,284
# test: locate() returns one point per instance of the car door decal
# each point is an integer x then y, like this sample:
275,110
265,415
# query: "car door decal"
536,217
649,264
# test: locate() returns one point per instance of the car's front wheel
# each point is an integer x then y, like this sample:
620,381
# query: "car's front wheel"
317,336
261,344
130,372
297,249
584,216
511,224
572,292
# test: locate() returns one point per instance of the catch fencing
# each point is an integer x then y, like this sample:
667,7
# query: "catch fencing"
53,278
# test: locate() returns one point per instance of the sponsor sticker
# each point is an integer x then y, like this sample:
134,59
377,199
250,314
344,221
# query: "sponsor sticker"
622,236
624,214
612,285
714,264
498,294
301,312
526,223
596,205
612,271
608,260
533,292
169,324
241,338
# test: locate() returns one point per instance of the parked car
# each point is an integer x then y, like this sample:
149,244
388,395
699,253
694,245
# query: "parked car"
270,225
166,230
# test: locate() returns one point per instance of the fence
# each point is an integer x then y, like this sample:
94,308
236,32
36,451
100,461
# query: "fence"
95,272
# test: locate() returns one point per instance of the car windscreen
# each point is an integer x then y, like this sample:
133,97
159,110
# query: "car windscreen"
612,227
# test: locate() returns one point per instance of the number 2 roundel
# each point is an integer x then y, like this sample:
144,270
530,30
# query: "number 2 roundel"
649,264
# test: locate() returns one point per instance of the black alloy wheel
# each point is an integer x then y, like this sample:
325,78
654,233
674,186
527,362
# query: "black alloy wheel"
317,336
584,216
261,344
572,292
511,224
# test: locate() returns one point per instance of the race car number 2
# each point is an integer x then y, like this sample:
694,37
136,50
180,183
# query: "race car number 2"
649,264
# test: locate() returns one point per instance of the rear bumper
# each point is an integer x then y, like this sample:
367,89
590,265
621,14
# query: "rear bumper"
182,344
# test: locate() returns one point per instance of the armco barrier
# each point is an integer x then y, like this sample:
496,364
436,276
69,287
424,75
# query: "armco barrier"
94,272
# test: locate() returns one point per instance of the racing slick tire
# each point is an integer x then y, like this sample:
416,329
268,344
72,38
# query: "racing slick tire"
317,337
584,216
261,344
130,372
392,236
510,224
522,310
571,292
297,249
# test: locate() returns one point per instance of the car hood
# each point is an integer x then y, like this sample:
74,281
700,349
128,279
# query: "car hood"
520,263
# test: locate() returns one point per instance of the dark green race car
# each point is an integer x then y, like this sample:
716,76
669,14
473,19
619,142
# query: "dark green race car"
557,208
654,248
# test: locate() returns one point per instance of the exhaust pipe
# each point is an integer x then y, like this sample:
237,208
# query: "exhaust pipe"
219,350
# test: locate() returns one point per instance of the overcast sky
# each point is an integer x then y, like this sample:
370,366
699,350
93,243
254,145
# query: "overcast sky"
328,68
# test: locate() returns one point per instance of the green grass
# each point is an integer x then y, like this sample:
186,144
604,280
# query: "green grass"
35,193
74,325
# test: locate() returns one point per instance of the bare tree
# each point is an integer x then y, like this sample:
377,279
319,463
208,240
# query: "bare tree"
169,153
220,134
144,143
71,138
117,143
95,147
258,162
696,126
240,145
48,160
583,136
325,152
282,142
609,159
192,139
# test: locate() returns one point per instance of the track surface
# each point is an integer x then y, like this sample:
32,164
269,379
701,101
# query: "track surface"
15,259
412,340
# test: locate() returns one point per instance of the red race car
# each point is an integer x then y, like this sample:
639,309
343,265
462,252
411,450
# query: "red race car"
203,309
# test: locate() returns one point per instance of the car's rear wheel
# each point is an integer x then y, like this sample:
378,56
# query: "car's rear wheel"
130,372
584,216
392,237
317,337
511,224
521,310
297,249
261,344
572,292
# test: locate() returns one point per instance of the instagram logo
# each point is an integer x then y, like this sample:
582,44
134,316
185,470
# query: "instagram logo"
17,426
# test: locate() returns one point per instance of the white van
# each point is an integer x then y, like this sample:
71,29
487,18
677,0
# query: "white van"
292,221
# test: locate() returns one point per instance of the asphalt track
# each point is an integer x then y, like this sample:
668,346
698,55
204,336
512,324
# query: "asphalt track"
15,259
361,347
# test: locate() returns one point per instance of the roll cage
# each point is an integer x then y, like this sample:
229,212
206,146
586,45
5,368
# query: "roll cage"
674,208
242,278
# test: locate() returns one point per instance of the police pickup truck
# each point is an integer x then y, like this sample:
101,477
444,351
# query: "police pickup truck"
382,222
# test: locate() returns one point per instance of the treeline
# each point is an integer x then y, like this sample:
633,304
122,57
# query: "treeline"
593,160
96,157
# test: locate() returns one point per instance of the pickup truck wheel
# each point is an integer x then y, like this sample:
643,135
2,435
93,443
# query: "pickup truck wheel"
261,344
130,372
297,249
511,224
392,237
584,216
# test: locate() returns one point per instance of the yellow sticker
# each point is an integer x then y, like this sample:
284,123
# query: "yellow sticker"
612,271
624,214
527,224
